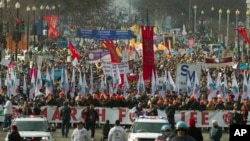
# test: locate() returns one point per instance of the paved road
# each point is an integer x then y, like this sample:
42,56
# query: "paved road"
58,136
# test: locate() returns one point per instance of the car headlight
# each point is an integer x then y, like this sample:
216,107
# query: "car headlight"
45,139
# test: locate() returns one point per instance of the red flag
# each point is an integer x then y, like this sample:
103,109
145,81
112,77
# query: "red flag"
168,51
52,23
148,51
243,33
73,51
109,44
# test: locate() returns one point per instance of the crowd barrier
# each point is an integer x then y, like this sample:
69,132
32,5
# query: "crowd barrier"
126,115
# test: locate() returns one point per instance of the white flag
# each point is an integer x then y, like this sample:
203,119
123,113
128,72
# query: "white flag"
196,87
235,88
140,84
48,84
211,86
32,86
72,89
245,88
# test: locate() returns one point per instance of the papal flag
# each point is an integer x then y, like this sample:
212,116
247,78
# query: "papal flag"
235,87
140,84
211,87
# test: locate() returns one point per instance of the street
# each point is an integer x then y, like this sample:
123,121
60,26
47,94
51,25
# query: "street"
98,135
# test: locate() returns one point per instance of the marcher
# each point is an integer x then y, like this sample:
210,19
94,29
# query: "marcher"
65,114
14,134
215,132
91,118
167,133
80,133
181,132
170,112
7,113
117,133
193,131
105,130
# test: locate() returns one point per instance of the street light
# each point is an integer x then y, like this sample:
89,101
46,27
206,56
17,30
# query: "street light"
28,26
212,11
228,13
34,23
195,10
237,12
42,8
47,9
17,6
220,12
53,8
1,14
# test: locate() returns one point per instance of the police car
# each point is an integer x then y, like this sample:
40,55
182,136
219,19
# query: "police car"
146,128
33,128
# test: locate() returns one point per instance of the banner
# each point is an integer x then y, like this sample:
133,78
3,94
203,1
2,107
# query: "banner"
104,34
109,44
123,67
185,72
218,62
126,116
148,51
52,24
96,56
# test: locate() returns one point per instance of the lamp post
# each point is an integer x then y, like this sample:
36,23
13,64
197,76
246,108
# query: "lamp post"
28,26
53,9
41,8
220,12
195,10
1,11
212,11
17,6
34,22
47,9
228,13
237,12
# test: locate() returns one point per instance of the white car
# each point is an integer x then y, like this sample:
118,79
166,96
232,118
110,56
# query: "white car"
146,128
33,128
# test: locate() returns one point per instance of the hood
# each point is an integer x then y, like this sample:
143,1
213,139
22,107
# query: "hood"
145,135
34,134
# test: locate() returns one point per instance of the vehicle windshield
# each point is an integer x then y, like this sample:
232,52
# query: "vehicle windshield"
147,127
31,125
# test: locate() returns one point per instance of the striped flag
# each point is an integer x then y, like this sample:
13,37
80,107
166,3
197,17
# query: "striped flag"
39,83
140,84
48,84
72,89
235,87
225,88
32,87
211,86
245,88
196,87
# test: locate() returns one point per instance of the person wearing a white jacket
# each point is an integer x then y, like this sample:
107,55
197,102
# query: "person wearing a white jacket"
80,133
117,133
7,113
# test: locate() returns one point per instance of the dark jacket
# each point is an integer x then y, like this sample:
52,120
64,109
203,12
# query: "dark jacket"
105,129
195,132
91,115
65,113
14,136
215,133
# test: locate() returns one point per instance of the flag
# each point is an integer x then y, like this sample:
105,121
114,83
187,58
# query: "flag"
32,87
235,87
72,84
196,87
52,24
53,75
84,85
243,33
172,86
64,84
218,62
117,79
189,87
109,44
211,87
25,90
245,88
125,84
99,56
48,84
140,84
164,83
111,80
148,63
73,51
8,83
91,86
218,85
13,86
153,88
103,83
225,88
80,83
39,83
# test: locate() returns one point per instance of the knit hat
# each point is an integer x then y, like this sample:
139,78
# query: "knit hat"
14,128
191,122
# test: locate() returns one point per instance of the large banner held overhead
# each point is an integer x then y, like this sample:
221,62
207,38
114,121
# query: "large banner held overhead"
218,62
52,24
104,34
123,67
184,72
96,56
148,51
